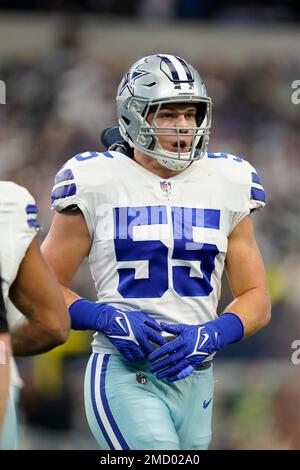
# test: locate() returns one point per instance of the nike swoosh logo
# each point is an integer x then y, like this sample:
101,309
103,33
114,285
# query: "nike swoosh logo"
118,320
206,403
204,341
129,333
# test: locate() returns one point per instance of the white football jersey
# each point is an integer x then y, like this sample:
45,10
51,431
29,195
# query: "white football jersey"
18,226
158,245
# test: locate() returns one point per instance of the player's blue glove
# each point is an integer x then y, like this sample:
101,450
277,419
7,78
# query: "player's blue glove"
181,356
130,332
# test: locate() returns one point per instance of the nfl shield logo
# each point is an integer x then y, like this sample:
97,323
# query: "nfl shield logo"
165,186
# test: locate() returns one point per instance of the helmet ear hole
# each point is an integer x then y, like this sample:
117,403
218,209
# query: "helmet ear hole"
201,113
200,143
126,120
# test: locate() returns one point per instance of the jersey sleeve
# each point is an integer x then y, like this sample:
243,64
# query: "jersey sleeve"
77,185
252,192
257,193
72,188
18,226
239,186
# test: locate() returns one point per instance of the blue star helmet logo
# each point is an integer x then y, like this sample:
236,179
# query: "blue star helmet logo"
130,78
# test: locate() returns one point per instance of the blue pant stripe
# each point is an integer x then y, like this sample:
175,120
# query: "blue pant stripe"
93,373
108,412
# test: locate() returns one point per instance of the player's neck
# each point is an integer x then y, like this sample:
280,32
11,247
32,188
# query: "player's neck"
153,165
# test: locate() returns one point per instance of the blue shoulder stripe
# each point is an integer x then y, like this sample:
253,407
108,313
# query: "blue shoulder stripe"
238,159
64,176
258,194
33,223
82,157
225,155
63,191
221,155
31,209
255,178
108,154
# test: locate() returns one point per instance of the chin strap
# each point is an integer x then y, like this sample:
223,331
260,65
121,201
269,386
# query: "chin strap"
173,164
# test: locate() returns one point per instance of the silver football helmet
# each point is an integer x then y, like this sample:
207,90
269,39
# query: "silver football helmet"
155,81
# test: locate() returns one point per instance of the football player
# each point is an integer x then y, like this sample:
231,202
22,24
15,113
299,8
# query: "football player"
4,358
158,218
29,283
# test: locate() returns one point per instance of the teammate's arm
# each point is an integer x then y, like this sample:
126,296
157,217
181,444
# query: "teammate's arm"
247,279
4,359
36,293
4,374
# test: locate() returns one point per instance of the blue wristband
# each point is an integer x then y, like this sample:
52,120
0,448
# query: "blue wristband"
230,327
85,314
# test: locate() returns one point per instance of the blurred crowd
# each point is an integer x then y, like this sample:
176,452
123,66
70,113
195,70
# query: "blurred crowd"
57,106
249,11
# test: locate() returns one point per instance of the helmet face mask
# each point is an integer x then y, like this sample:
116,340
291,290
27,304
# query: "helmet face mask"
156,82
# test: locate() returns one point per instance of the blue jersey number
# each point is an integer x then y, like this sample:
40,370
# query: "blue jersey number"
196,256
184,219
155,252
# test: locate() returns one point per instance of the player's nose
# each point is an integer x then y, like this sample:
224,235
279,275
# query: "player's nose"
181,121
180,118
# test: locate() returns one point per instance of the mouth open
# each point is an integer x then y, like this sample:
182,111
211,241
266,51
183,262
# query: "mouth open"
182,146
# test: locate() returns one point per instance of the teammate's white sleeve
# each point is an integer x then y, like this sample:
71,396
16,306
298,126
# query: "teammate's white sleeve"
18,226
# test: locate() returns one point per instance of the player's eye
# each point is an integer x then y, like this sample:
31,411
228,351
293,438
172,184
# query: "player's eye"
166,115
190,115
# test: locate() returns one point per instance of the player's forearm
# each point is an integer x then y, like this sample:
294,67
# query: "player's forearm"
253,308
30,337
4,374
83,314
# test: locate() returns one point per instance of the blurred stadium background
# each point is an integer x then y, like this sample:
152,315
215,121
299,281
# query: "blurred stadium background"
61,62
